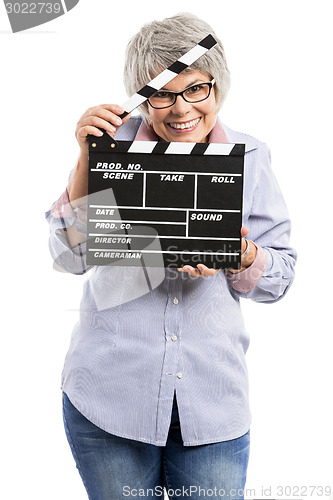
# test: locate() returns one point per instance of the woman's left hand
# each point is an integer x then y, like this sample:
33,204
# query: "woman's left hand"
203,270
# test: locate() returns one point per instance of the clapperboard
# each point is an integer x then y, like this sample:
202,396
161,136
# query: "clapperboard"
160,204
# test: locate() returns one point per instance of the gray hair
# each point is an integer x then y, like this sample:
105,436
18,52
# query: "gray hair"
160,43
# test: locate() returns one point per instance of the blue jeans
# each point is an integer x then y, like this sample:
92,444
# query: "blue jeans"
115,468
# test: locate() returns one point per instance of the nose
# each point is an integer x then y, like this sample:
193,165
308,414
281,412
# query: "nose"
181,107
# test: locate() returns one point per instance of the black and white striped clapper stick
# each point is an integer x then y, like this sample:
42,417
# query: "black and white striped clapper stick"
164,148
168,74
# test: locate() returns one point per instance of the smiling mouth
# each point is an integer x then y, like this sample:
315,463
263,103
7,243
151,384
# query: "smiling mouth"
184,125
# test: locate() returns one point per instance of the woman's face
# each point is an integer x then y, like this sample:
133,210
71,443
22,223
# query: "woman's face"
201,114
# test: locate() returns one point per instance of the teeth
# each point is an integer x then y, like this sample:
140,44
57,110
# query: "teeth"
185,125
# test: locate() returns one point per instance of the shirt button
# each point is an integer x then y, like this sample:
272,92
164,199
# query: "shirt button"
175,301
179,374
173,337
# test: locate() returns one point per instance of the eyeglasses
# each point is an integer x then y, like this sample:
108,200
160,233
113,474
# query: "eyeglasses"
194,93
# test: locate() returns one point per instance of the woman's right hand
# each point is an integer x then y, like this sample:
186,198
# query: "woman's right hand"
95,118
105,117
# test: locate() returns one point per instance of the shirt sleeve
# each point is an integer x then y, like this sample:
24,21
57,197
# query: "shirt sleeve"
60,216
249,277
272,272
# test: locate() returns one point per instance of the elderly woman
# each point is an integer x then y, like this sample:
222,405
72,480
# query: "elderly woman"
155,388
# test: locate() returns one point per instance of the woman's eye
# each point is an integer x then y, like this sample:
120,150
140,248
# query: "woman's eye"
161,95
194,89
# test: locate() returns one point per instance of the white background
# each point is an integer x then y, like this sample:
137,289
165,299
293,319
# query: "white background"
279,54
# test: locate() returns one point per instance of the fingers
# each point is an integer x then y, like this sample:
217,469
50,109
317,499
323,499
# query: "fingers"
108,114
103,111
103,117
244,231
98,122
126,118
200,271
82,133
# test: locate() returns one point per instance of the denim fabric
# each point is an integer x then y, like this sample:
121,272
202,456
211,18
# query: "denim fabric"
113,468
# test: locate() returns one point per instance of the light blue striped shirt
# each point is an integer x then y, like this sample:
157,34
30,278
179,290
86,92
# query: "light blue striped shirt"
146,333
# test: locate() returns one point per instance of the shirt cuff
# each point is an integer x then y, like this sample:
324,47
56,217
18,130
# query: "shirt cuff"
246,280
62,207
